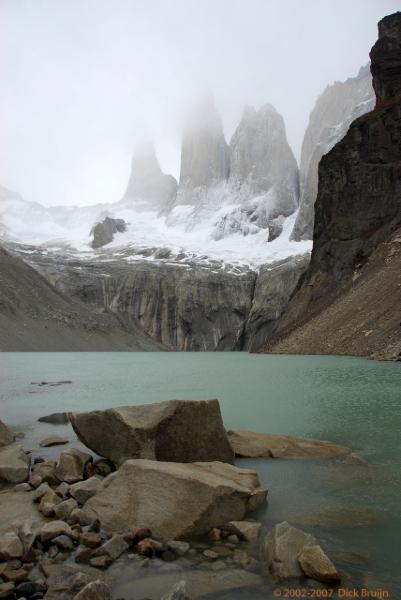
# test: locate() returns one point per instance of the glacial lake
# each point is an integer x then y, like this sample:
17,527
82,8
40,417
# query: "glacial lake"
353,510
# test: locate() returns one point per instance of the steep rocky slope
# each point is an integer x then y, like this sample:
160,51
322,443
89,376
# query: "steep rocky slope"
348,300
339,105
36,316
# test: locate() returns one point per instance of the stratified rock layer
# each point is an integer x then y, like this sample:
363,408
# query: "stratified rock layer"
177,500
181,431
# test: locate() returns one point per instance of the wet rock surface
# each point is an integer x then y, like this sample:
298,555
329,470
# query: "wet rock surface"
196,497
182,431
252,444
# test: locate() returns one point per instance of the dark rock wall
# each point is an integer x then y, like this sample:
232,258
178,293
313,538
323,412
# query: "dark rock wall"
359,200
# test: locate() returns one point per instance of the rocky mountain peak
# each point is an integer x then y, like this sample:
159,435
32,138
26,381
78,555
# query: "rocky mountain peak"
204,151
259,151
148,186
335,109
386,59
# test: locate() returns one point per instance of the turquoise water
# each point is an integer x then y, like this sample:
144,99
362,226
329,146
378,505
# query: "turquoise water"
347,400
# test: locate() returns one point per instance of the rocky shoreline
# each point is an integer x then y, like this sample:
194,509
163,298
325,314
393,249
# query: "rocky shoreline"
169,502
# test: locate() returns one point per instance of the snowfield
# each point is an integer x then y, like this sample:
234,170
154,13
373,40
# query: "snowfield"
67,229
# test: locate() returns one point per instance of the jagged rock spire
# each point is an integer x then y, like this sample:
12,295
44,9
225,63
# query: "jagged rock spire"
204,152
386,59
148,185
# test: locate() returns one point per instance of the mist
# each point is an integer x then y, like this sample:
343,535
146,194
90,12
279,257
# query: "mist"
85,81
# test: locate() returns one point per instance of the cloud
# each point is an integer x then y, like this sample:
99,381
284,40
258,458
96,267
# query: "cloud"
83,81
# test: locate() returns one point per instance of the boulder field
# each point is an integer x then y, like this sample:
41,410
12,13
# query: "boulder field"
164,492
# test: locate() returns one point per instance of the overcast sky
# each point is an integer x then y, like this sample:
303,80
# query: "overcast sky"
83,81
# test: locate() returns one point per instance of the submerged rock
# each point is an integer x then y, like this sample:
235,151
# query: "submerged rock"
95,590
55,418
178,500
282,547
14,464
53,440
253,445
66,580
177,592
175,430
199,584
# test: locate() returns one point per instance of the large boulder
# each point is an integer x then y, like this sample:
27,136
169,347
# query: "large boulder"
72,465
176,430
177,500
14,464
104,231
282,547
315,563
6,435
250,444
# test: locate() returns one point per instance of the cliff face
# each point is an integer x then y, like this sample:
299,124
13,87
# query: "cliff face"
263,169
186,307
358,211
339,105
204,154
